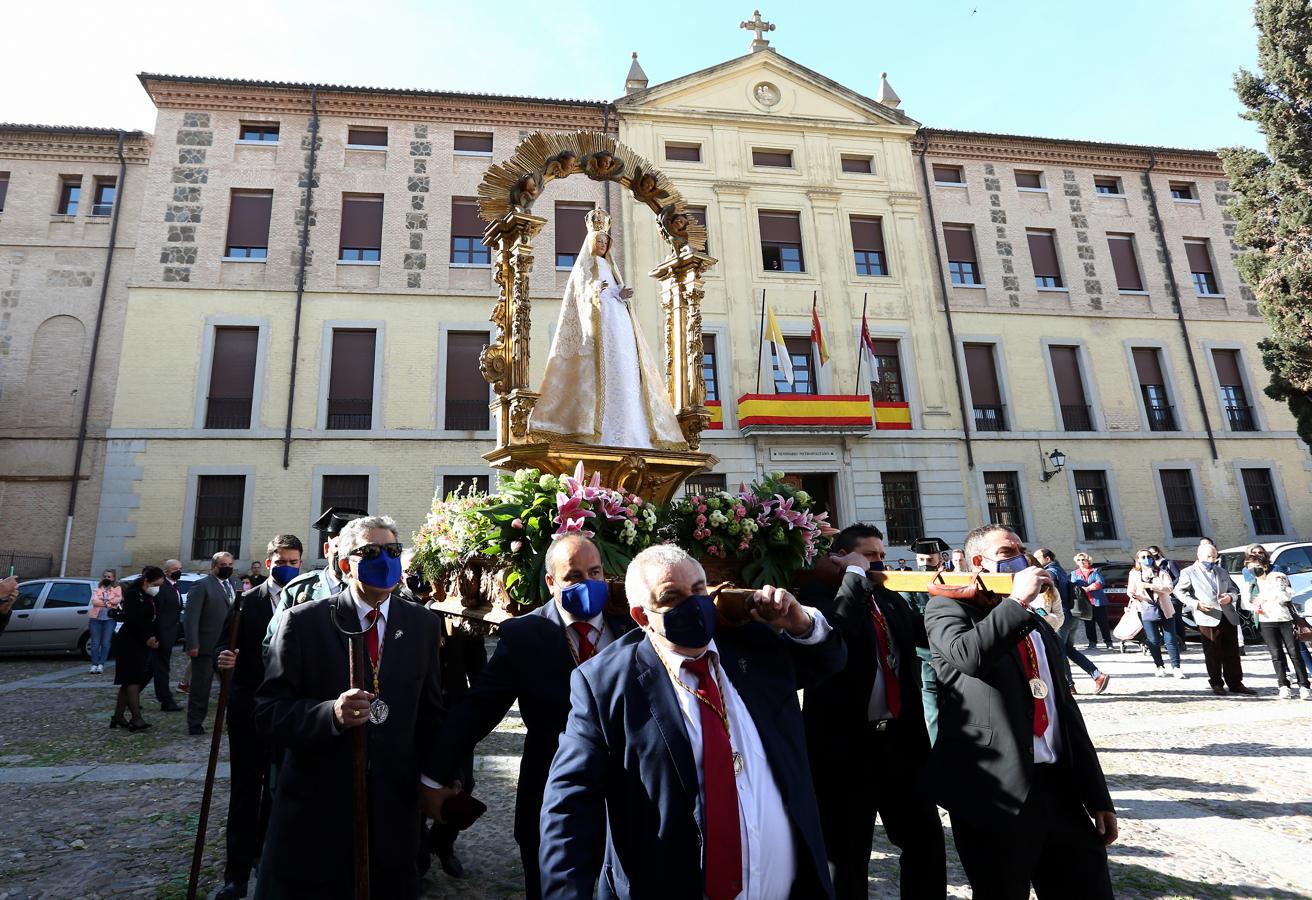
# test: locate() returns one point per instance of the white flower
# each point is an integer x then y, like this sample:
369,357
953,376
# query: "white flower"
718,518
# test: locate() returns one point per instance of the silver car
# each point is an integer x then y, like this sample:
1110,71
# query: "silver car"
50,614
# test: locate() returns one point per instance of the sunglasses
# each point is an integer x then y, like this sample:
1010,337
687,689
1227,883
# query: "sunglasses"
373,551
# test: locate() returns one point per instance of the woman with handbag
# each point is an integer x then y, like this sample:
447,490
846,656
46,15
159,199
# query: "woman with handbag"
1090,579
1271,600
1149,589
105,600
132,645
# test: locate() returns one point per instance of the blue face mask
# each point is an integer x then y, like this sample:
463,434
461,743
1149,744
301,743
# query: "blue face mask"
283,574
1015,564
585,599
691,624
382,572
1208,565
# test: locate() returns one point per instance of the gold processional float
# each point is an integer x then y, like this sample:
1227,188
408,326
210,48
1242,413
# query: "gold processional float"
505,202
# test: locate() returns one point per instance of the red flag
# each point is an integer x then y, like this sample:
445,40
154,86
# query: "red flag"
867,342
818,336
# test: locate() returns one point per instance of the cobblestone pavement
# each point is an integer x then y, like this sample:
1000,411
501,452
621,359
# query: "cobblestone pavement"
1214,793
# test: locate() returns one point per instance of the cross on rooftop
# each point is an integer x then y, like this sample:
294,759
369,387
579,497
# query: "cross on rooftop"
759,26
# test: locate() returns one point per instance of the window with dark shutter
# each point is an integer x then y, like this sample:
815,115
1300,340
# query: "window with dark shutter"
886,379
106,189
704,484
467,247
777,159
4,189
248,225
1043,258
962,266
370,138
868,245
857,165
1183,190
1095,506
948,175
219,507
1070,388
676,152
466,389
479,142
1124,262
902,507
232,378
985,395
70,192
1234,398
452,484
362,228
781,241
698,215
1152,388
1199,254
710,367
1029,181
799,351
1181,503
1107,186
571,231
351,380
1259,489
345,492
258,132
1002,491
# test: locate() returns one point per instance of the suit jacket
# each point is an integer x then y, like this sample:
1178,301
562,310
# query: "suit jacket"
624,774
312,585
532,664
256,606
207,608
982,765
311,826
168,614
1196,583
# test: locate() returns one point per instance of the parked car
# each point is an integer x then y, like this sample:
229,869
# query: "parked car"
1115,579
184,585
50,615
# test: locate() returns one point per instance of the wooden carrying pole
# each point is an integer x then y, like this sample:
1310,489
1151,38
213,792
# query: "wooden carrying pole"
359,775
216,741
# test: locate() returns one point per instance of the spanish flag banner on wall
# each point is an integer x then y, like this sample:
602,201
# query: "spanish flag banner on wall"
818,336
813,410
892,416
717,415
775,336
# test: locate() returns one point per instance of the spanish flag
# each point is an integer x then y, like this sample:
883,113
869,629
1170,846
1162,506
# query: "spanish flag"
783,361
818,336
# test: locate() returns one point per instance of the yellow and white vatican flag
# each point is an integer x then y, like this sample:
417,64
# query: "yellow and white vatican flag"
783,362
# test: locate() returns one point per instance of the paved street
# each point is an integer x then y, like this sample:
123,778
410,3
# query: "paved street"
1214,794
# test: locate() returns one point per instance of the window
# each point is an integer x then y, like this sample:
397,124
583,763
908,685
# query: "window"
351,380
1107,186
70,192
1095,507
799,351
985,395
868,245
466,389
1181,503
1002,492
1152,389
462,483
1125,262
474,142
4,189
1200,266
359,137
259,132
1234,398
1070,388
1262,505
948,175
248,225
704,484
680,152
857,165
362,228
1043,259
962,266
886,374
781,241
710,367
1029,181
901,507
1183,190
467,247
106,188
571,231
232,378
345,491
698,215
68,595
28,594
219,502
778,159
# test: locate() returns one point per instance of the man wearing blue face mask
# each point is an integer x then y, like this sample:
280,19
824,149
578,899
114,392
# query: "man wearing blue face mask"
535,656
1207,589
684,753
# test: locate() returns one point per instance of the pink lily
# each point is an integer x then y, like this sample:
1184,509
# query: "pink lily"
578,488
573,526
571,507
612,509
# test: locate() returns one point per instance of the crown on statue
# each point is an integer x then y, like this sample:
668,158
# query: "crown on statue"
598,221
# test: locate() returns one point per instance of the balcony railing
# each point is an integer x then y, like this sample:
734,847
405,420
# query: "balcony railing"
1075,417
350,415
1240,418
990,418
467,415
228,412
1162,418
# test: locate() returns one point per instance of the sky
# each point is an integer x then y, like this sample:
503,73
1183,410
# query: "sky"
1133,71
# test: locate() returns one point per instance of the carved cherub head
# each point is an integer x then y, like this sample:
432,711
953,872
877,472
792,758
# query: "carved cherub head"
603,166
562,164
526,190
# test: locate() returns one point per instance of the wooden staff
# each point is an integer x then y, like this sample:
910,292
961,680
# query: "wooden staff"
216,740
359,776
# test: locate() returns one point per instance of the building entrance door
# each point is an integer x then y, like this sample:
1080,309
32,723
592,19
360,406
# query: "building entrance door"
820,485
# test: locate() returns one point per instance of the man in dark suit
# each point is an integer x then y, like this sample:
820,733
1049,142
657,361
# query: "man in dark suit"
1013,763
306,705
535,656
168,618
866,733
684,755
248,751
208,603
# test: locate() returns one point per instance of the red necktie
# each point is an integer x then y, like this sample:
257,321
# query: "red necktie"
584,631
1031,660
371,636
724,851
892,689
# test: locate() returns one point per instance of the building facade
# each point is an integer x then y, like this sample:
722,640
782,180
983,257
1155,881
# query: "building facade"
69,203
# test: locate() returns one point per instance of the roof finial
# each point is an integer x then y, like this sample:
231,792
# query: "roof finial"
636,79
758,26
887,95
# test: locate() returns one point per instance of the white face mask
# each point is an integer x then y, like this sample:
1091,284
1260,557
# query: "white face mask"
152,590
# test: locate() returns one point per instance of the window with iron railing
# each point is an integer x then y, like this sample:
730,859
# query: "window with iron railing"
990,418
902,507
1002,491
1095,506
350,414
227,412
1161,415
219,507
1181,504
1076,417
1260,490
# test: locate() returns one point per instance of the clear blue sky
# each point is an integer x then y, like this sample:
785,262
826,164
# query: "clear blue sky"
1147,72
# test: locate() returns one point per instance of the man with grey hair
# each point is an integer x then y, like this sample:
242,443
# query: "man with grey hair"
307,706
168,619
684,754
533,662
208,603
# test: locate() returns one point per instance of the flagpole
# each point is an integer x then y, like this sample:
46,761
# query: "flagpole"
861,344
760,350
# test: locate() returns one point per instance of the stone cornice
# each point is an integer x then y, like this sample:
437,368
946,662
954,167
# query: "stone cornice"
1086,154
72,148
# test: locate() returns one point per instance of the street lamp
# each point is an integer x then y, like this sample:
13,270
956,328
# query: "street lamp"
1058,460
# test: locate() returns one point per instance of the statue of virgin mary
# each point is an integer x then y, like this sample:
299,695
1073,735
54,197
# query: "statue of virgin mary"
601,386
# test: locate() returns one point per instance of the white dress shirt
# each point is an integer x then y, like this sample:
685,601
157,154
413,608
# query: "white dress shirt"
877,706
1047,746
769,854
600,636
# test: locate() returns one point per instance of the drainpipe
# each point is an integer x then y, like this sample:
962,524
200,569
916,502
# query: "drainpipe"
300,272
1179,307
923,148
95,350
